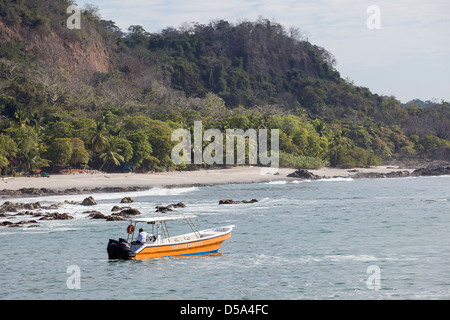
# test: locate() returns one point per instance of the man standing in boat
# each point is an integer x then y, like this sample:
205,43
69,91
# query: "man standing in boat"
144,236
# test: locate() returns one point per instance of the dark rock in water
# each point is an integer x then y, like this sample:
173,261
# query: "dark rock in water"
250,201
56,216
127,200
92,212
229,201
303,174
178,205
114,218
115,208
129,212
9,206
169,207
393,174
25,222
125,213
96,215
163,209
89,201
24,213
431,172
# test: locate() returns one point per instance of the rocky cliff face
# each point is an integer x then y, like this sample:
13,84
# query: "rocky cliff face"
75,55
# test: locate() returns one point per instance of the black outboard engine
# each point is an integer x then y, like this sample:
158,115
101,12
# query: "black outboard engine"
120,249
113,249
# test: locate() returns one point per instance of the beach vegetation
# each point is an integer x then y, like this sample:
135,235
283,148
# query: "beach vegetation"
118,105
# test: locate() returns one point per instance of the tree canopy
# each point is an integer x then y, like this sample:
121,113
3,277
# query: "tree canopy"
118,106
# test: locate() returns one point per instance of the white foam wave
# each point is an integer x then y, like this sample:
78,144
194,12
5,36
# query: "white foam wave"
156,191
300,181
277,182
336,179
351,257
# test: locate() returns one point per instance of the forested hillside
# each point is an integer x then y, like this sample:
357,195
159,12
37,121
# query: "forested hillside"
104,98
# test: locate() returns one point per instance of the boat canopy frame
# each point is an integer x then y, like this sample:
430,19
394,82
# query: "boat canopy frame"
161,226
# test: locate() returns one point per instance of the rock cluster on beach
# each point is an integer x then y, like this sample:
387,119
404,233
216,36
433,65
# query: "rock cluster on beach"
305,174
431,172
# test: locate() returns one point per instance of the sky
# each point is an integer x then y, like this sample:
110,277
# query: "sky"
395,48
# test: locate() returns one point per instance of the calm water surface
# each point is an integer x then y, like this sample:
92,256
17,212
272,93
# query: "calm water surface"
306,240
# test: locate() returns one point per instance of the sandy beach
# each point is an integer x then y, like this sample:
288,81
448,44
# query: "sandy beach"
238,175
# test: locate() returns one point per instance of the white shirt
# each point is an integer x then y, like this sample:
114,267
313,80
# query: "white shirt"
142,237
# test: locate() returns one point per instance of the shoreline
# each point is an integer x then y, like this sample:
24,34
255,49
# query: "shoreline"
83,183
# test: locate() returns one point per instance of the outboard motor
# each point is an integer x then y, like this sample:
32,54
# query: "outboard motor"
119,249
113,249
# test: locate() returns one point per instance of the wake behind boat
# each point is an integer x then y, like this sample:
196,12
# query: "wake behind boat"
160,244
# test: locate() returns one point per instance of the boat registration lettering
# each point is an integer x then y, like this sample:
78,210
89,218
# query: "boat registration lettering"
187,245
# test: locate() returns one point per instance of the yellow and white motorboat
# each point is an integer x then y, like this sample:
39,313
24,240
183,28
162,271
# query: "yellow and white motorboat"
161,244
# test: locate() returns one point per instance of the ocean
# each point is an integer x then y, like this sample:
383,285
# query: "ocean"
326,239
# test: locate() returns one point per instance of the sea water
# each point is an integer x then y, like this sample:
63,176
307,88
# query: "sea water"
325,239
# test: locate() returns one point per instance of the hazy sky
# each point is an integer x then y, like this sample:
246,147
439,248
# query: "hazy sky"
407,57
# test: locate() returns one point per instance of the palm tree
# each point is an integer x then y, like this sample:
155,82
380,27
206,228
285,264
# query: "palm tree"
21,117
111,155
99,141
339,141
321,128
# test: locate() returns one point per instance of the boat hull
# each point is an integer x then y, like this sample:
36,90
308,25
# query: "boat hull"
195,247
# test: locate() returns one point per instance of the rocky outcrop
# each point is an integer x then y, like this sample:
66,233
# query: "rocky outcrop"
89,201
126,200
128,212
303,174
402,174
168,208
114,218
19,224
56,216
431,172
393,174
9,206
163,209
229,201
95,215
178,205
